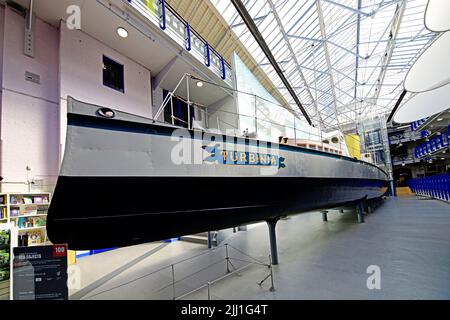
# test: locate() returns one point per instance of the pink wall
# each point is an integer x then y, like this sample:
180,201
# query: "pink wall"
2,24
81,59
33,116
29,122
81,74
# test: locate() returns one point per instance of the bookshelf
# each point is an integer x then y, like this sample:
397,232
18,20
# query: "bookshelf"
5,261
3,208
27,214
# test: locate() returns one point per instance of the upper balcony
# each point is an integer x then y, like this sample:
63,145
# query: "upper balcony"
437,144
158,37
160,13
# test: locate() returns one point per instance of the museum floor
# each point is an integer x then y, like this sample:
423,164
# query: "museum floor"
407,238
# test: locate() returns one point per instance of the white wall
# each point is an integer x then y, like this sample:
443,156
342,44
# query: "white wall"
29,120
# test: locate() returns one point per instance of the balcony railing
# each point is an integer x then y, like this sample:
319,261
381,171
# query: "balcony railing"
416,125
404,137
406,159
163,15
435,144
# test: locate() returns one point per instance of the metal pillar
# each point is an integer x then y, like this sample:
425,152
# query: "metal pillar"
392,188
272,223
370,207
324,216
209,240
360,211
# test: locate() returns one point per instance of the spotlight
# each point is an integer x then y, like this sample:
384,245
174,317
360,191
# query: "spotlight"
122,32
200,84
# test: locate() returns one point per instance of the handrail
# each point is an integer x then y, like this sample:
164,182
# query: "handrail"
267,122
175,13
434,145
222,67
175,281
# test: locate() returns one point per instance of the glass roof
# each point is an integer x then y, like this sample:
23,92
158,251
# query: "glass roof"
346,59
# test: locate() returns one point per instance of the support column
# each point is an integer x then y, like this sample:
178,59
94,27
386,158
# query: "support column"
272,223
209,240
360,211
369,207
324,216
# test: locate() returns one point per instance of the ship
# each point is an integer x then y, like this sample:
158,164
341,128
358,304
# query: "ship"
145,180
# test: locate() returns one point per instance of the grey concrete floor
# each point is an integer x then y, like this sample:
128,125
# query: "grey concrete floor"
407,238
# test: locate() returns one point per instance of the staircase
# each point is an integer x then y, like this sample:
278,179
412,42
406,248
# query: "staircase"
404,192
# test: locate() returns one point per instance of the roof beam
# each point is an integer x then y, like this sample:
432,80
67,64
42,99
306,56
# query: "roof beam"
358,39
359,12
327,57
262,43
293,55
389,51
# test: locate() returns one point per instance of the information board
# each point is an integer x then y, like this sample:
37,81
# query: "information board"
40,273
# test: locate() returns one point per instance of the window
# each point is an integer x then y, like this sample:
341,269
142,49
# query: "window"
113,75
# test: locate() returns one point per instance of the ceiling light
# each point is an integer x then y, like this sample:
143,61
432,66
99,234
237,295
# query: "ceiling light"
442,158
200,84
122,32
436,15
440,119
419,106
430,71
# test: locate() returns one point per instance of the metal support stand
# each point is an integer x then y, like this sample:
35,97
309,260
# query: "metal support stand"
209,291
360,211
173,282
324,216
209,240
270,275
369,208
227,258
272,223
